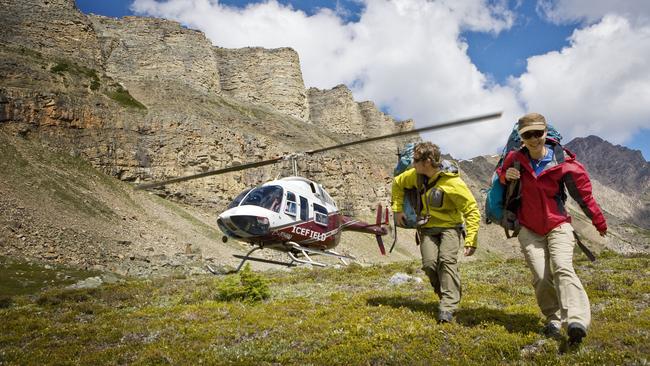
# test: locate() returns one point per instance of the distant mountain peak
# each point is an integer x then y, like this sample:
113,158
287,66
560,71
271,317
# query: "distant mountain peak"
619,166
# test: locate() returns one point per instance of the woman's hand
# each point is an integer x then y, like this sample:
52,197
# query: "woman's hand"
512,174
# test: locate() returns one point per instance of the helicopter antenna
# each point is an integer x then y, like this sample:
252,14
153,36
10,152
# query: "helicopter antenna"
294,156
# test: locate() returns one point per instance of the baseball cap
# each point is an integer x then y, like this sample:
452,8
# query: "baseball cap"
530,122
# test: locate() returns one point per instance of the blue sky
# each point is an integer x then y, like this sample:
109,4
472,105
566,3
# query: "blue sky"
581,63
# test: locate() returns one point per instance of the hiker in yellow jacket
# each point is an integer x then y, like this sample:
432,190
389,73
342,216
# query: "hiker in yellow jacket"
449,217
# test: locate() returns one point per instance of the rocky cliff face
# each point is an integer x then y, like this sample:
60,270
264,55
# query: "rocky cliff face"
335,110
270,78
182,56
54,28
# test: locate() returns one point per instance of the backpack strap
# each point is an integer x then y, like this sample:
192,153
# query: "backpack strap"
584,248
394,235
511,203
432,184
422,190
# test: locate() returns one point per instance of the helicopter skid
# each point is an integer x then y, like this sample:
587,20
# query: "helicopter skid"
270,261
329,253
297,254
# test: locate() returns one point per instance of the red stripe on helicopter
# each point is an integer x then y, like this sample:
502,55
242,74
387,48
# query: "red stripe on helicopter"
308,232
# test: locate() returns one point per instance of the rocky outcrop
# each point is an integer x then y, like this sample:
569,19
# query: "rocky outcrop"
270,78
152,57
335,110
54,28
375,122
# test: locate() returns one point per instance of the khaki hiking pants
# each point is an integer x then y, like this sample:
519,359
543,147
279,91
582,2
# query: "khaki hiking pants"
439,248
558,289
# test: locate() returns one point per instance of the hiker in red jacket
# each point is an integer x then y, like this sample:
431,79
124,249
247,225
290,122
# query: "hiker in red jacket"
546,237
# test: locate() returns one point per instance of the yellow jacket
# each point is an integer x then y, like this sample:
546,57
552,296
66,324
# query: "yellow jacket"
454,202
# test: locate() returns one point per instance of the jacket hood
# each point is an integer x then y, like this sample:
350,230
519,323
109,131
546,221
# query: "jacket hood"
449,168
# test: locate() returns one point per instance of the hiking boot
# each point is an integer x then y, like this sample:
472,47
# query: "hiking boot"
576,332
551,330
445,317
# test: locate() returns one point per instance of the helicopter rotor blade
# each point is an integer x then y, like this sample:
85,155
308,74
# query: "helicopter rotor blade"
417,130
209,173
311,152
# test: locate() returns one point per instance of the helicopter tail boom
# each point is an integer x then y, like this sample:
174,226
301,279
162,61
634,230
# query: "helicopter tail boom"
379,228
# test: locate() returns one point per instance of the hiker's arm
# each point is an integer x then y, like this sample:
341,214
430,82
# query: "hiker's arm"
466,203
408,179
578,184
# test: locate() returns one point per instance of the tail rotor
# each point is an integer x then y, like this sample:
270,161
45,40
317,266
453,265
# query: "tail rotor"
381,225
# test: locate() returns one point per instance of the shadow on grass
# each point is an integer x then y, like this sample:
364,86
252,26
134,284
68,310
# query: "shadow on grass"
513,323
428,308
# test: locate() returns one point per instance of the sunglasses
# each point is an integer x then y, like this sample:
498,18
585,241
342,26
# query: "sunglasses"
532,134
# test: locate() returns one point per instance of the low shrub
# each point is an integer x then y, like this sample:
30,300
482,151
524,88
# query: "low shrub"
249,286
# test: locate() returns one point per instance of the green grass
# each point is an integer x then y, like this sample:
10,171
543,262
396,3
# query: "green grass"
113,91
123,97
350,316
65,66
24,278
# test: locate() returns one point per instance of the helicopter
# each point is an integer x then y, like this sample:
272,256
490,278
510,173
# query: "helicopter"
296,215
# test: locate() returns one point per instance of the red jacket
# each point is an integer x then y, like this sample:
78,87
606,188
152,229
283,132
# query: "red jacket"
542,197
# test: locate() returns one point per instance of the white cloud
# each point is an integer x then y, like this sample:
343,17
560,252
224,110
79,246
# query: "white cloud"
405,55
562,11
600,84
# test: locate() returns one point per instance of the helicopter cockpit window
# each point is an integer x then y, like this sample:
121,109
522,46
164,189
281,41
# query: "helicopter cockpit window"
320,214
238,199
268,197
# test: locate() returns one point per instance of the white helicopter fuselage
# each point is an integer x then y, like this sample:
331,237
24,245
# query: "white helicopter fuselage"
292,209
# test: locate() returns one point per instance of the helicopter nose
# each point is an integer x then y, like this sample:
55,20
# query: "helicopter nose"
252,225
229,231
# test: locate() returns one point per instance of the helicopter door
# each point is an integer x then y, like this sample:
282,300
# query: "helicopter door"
304,209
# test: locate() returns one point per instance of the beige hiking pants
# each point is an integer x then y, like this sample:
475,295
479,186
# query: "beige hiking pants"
558,289
439,249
